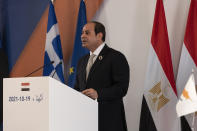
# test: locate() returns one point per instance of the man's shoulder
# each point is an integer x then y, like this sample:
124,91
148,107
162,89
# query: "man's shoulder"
83,58
115,53
118,59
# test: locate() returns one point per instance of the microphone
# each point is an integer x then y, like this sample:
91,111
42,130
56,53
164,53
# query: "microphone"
40,68
56,66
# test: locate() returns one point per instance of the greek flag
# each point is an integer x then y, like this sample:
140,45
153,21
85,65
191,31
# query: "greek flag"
53,58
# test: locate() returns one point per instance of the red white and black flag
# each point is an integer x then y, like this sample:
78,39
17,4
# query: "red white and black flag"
160,89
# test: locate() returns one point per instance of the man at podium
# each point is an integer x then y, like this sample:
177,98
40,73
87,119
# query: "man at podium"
103,74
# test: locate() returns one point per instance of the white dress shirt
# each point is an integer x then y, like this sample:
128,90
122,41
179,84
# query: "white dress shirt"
97,51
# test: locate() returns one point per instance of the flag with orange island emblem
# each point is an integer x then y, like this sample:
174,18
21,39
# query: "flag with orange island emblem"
188,100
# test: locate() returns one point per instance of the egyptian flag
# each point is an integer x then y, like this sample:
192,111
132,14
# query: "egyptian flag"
160,90
3,74
188,60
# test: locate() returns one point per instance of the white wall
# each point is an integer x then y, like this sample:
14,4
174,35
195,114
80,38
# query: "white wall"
129,26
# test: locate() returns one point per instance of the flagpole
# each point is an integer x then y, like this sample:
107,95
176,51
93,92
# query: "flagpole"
193,120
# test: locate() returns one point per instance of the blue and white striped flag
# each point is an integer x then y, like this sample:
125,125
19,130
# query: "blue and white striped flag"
53,49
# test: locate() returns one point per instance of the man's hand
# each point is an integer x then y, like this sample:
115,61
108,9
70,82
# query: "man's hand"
90,93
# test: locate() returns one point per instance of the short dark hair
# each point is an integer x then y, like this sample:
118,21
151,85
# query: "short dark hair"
99,28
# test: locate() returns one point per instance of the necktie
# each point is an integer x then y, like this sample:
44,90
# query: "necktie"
90,63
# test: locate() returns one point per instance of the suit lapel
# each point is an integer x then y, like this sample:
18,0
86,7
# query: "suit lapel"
84,67
98,61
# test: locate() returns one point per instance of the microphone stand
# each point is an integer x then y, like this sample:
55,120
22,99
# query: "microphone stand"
56,66
40,68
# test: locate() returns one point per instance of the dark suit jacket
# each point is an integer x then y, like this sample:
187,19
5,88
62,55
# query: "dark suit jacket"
109,76
3,74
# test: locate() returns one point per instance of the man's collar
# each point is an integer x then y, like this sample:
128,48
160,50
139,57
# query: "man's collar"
98,50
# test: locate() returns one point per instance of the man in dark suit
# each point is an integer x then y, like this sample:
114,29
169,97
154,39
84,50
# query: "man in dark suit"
103,75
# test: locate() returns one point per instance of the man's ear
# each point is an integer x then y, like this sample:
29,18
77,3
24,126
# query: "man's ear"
99,36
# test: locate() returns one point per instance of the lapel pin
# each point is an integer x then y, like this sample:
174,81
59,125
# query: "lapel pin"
100,57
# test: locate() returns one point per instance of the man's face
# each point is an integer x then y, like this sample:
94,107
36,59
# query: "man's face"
88,37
